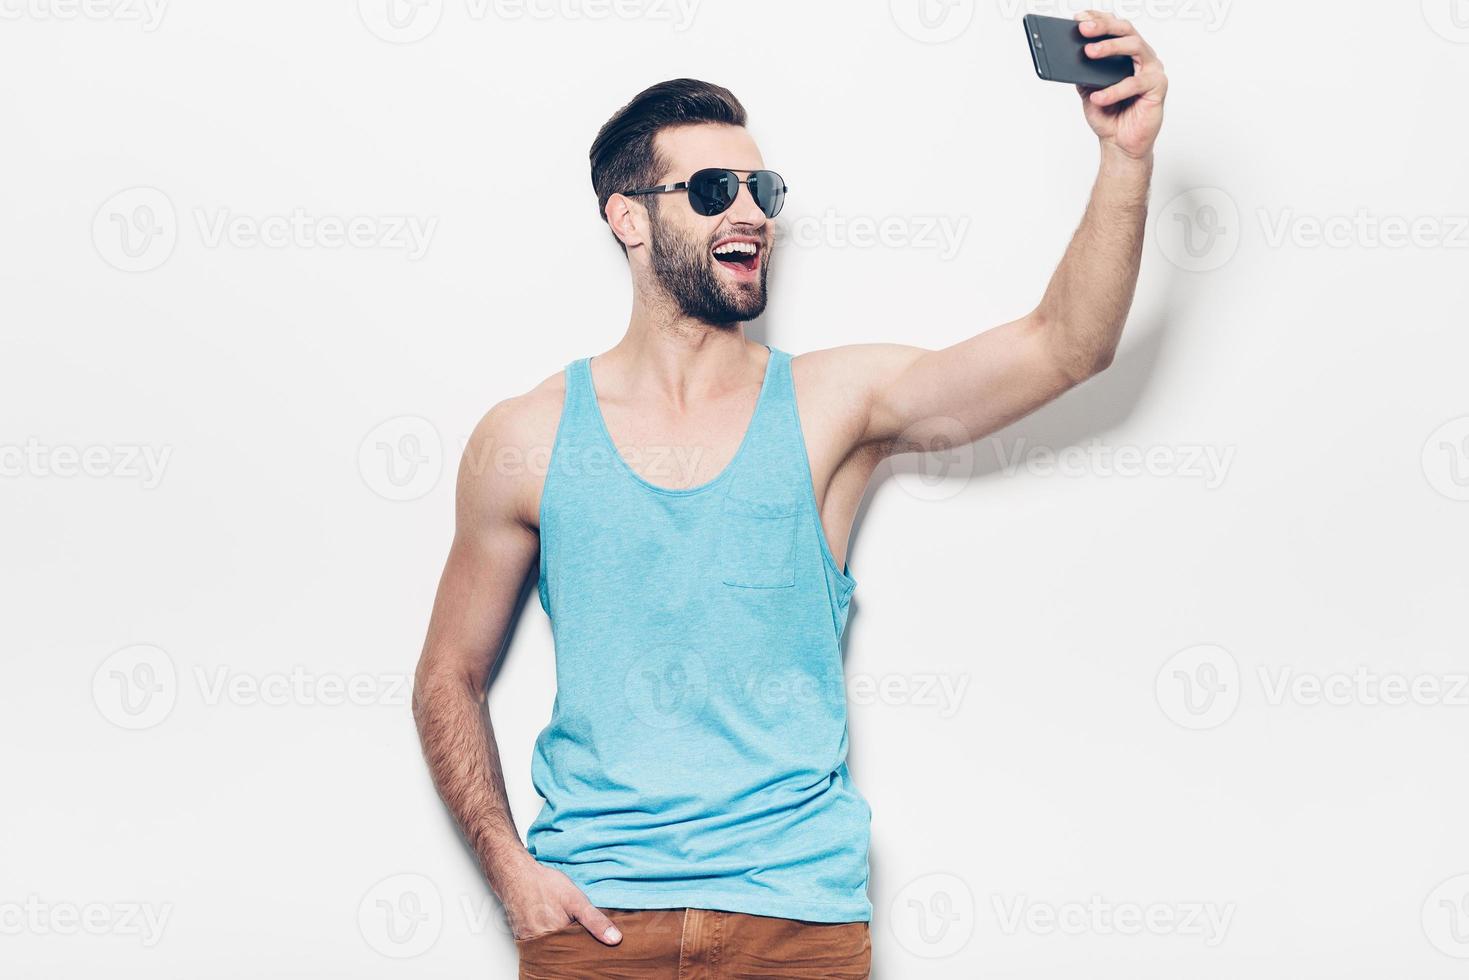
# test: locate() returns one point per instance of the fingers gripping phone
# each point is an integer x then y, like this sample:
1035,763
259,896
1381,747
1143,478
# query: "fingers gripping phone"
1058,49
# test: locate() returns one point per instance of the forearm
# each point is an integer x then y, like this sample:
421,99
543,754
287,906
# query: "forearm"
1086,303
459,746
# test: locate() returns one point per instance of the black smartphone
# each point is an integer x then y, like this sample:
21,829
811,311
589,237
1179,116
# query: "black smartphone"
1057,47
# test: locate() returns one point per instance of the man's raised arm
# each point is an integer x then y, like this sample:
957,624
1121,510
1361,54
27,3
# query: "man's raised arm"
990,380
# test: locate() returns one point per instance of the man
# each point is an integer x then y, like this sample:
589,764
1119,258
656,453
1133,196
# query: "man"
691,524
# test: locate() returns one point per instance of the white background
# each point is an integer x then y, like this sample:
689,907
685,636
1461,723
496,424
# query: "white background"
1079,684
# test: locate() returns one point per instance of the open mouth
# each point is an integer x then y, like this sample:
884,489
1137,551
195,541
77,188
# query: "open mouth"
740,257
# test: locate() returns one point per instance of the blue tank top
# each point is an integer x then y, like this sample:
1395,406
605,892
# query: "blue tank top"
696,752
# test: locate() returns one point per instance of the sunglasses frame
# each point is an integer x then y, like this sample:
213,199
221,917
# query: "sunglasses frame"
747,183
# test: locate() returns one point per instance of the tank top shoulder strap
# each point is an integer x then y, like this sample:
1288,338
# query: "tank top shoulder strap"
774,462
579,406
779,407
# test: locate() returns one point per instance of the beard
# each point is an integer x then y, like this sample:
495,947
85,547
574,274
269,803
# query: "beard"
685,269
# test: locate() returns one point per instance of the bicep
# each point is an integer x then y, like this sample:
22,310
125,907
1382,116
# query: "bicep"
965,391
492,553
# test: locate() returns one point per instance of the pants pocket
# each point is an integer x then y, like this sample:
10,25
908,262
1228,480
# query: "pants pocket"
757,544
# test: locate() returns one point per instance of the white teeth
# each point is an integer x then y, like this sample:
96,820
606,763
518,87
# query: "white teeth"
741,248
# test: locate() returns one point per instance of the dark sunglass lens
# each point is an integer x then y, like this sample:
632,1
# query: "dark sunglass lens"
769,191
711,192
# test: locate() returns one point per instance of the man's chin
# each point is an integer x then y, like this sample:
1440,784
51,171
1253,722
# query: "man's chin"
747,307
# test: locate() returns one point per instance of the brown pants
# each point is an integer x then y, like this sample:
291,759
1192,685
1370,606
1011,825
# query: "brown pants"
700,944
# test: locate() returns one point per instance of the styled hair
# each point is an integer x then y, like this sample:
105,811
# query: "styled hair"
623,155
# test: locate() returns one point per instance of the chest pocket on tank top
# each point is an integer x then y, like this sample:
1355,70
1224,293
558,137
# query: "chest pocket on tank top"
757,544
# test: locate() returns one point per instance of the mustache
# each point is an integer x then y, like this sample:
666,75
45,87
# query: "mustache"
761,232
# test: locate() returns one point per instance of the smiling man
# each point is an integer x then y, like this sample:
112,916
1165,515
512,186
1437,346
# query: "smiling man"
688,537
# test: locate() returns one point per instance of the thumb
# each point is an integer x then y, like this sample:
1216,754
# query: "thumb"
596,923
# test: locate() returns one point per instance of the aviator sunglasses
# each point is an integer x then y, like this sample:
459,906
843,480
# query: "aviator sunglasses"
712,191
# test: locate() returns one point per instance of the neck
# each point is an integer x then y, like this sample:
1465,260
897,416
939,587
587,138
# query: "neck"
675,357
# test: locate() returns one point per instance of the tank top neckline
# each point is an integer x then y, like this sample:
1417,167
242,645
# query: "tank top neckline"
722,475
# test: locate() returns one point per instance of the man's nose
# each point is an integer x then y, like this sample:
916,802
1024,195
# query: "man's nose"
744,210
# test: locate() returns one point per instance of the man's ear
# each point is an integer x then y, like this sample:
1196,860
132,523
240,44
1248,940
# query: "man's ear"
627,220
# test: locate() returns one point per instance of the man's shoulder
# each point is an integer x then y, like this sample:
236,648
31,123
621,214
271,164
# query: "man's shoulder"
526,418
844,378
512,441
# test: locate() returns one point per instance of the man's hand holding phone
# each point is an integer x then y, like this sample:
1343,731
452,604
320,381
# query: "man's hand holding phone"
1128,115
